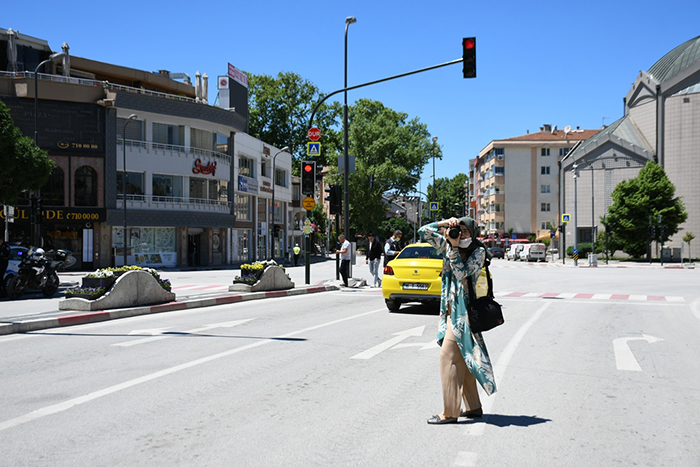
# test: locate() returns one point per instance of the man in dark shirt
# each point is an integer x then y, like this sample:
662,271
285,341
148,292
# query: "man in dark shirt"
374,256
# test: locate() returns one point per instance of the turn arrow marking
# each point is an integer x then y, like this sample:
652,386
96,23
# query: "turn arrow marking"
369,353
624,359
159,333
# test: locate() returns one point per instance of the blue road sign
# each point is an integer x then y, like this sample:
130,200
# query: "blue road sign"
566,218
575,251
434,206
313,149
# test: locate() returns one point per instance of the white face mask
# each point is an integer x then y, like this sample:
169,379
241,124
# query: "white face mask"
465,242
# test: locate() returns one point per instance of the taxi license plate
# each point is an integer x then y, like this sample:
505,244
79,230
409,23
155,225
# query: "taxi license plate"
415,286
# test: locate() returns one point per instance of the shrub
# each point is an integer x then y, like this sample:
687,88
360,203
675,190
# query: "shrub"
583,250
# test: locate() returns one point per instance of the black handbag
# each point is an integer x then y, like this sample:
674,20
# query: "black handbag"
484,313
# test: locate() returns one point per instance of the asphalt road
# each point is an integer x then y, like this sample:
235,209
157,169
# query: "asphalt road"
335,379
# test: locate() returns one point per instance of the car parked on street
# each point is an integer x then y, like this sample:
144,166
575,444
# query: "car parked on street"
513,252
497,252
533,252
413,276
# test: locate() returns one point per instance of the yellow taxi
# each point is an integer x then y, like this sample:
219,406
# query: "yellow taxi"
413,276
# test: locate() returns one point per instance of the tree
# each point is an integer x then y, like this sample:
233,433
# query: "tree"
638,199
279,114
449,193
687,238
389,146
23,165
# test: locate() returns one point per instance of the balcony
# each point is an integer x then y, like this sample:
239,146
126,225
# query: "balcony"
173,203
171,148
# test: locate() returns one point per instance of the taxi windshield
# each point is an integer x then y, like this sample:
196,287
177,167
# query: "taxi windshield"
419,252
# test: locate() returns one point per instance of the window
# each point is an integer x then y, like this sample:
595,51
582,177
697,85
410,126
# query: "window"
499,170
242,207
53,193
134,131
545,151
543,226
246,167
281,178
168,134
167,186
213,189
221,143
545,207
201,139
85,186
564,151
223,190
198,188
545,189
264,172
544,170
134,184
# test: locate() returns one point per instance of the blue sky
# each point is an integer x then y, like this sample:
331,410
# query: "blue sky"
562,63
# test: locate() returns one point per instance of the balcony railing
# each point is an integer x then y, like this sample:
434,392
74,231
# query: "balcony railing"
151,146
173,202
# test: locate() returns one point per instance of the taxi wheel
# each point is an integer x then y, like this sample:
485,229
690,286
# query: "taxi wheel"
393,305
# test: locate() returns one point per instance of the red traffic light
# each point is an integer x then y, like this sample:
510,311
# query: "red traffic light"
469,43
308,167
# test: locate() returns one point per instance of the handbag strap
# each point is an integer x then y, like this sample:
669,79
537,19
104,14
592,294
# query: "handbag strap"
489,281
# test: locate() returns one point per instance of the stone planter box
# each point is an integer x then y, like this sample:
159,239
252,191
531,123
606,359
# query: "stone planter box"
85,295
272,278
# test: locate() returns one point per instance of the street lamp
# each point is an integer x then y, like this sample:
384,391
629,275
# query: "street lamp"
432,213
53,58
346,179
575,213
272,213
131,118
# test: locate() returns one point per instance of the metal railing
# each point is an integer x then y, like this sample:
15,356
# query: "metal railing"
149,145
181,203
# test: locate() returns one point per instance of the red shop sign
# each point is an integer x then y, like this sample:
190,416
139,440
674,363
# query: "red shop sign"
198,168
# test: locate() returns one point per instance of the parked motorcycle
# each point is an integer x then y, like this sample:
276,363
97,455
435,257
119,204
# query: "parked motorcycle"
37,271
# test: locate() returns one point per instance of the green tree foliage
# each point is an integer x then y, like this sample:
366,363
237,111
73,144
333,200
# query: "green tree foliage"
23,166
450,194
388,145
687,238
279,112
648,195
613,243
388,226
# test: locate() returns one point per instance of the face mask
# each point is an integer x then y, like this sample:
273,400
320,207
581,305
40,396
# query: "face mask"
465,242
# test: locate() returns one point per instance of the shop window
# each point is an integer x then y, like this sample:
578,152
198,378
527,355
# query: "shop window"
167,187
53,193
134,184
242,207
85,186
198,188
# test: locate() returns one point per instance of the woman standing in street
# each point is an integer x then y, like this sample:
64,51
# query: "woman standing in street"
464,359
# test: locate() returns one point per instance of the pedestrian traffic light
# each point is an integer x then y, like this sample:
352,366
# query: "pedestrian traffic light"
469,57
308,177
319,172
333,199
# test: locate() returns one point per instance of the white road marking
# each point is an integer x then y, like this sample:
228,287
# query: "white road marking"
624,358
477,429
601,296
402,335
62,406
160,332
637,297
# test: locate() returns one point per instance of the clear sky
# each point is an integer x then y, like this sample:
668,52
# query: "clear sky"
562,63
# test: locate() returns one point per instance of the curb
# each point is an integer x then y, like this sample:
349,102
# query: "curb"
97,316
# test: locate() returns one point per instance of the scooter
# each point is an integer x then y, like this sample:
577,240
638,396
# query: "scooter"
38,271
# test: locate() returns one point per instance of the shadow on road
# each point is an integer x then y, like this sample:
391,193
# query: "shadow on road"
425,309
511,420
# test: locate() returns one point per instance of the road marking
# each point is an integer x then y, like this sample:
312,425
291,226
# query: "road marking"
477,429
590,296
158,333
369,353
423,345
624,358
62,406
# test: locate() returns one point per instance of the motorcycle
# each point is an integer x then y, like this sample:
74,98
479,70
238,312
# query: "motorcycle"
38,271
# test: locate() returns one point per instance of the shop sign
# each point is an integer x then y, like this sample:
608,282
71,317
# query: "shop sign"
209,169
60,215
247,185
266,187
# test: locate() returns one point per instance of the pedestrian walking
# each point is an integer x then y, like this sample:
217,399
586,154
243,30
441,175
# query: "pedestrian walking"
374,256
464,359
392,246
297,251
345,256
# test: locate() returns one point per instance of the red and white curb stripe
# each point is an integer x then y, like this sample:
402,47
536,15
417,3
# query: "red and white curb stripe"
96,316
591,296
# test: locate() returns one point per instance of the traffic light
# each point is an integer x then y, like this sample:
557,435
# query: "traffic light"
333,199
319,172
308,177
469,57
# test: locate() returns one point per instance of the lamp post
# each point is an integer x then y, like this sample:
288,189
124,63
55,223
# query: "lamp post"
346,180
54,57
432,213
575,213
131,118
272,208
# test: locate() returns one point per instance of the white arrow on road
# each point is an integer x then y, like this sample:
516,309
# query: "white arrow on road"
624,359
148,332
369,353
158,333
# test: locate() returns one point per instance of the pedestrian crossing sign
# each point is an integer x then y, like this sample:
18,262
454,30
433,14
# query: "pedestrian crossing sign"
313,149
566,217
434,206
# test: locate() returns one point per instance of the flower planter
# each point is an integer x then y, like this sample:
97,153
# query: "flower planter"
84,295
106,282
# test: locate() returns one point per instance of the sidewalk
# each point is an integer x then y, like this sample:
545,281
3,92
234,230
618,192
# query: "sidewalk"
583,263
55,319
